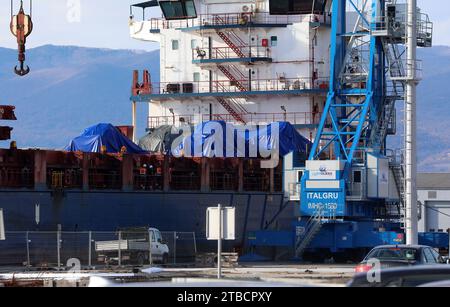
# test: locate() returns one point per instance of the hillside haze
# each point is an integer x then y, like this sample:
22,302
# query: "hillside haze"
71,88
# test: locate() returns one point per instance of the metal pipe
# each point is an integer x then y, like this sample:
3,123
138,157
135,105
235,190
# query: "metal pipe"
134,124
219,245
411,218
90,250
58,245
27,236
119,252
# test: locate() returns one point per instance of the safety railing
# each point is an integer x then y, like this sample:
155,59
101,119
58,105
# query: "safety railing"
224,53
16,178
184,181
234,19
65,179
148,182
224,180
396,27
256,181
226,86
412,69
74,251
424,30
295,118
105,180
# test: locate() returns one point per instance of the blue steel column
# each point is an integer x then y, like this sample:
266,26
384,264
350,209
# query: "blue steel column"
337,53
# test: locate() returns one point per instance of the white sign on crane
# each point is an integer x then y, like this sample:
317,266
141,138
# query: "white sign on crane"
2,226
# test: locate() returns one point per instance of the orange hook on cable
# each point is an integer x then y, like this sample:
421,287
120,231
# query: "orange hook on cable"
21,27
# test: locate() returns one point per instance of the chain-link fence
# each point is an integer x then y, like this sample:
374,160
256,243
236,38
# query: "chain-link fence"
97,249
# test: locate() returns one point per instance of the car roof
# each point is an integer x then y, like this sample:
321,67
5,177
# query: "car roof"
413,270
402,246
404,272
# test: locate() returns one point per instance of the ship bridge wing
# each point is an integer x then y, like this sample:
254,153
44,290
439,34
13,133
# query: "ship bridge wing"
146,4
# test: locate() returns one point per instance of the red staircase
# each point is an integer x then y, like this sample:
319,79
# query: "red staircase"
232,108
235,75
234,46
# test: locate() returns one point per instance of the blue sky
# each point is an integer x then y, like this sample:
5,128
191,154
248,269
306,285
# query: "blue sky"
104,23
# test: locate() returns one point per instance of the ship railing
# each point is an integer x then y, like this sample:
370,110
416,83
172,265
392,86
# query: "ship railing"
105,250
184,181
105,180
295,118
234,19
222,53
224,180
16,178
256,181
64,178
148,182
227,86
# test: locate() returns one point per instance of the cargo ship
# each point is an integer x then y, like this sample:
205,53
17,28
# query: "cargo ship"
244,63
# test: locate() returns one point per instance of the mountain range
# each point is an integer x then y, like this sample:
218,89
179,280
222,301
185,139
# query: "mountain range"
71,88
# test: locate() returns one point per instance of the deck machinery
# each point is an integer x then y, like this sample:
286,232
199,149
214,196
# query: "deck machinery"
348,200
353,189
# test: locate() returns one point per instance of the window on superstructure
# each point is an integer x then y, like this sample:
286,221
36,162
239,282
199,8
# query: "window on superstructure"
293,7
175,44
178,9
196,77
194,44
299,159
274,41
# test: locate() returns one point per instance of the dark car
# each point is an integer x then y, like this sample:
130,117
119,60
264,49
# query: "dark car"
390,256
414,276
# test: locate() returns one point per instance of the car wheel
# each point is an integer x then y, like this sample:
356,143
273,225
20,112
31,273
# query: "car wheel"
165,259
140,260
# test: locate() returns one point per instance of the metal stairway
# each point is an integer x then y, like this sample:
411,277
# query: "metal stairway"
312,228
233,107
235,76
228,39
399,178
395,92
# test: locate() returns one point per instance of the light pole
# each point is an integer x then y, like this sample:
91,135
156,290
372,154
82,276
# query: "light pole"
411,127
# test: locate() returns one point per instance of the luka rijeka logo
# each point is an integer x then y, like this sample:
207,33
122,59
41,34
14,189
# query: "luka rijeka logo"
224,140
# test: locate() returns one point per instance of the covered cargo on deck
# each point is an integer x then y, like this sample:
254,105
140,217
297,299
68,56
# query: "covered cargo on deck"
107,135
221,139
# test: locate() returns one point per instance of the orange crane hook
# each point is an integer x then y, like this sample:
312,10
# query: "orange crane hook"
21,27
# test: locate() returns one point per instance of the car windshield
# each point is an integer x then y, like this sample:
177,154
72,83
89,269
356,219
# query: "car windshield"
396,254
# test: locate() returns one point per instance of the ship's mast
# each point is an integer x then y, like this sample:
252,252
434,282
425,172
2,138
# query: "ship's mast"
411,126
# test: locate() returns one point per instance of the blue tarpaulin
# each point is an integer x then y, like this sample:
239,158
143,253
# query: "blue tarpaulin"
220,139
93,138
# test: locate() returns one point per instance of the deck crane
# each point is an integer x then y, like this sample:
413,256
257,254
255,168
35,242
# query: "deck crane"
348,192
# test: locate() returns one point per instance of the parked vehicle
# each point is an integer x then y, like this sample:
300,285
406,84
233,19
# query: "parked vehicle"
134,248
437,284
400,255
446,259
413,276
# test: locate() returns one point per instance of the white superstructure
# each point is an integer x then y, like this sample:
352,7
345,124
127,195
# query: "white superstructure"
238,61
